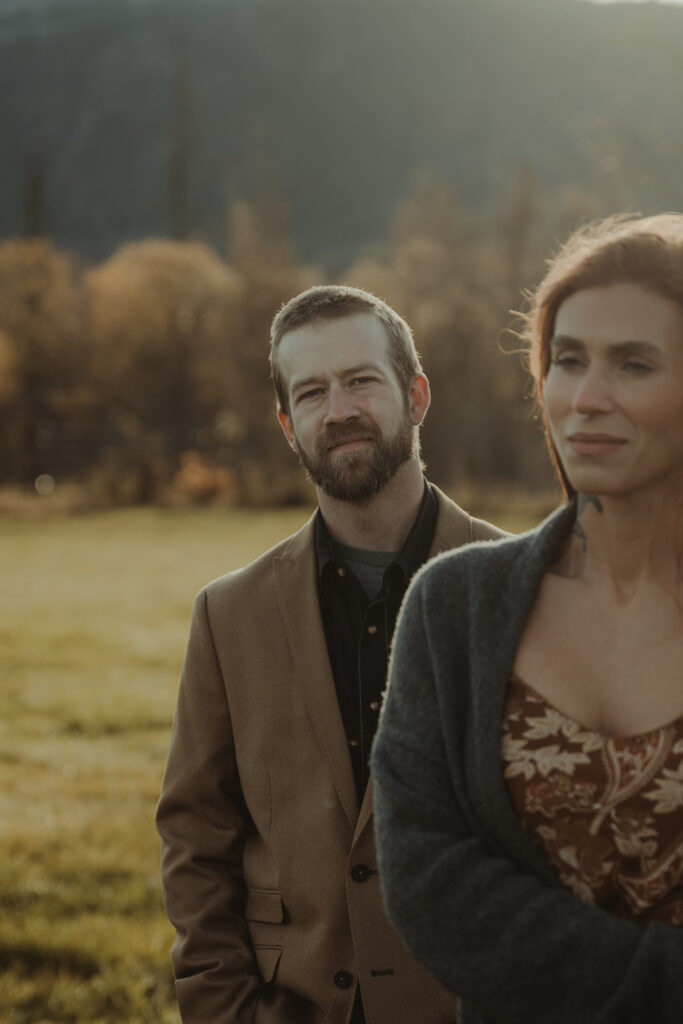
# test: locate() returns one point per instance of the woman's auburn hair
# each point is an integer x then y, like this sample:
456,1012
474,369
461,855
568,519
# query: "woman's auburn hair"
622,249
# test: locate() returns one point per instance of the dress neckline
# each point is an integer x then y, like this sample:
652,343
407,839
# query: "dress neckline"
605,737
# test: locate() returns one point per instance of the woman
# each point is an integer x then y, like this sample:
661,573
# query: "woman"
529,763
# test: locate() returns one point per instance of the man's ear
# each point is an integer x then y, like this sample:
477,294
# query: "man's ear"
419,397
287,429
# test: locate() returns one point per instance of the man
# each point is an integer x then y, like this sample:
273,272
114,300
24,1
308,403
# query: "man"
269,865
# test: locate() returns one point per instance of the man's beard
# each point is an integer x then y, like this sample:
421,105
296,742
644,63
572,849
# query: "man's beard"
362,473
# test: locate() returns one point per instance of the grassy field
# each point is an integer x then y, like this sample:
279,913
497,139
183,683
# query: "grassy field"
93,620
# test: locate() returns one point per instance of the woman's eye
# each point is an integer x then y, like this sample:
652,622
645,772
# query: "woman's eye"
636,366
568,362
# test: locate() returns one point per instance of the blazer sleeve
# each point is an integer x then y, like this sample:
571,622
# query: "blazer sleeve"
509,944
201,818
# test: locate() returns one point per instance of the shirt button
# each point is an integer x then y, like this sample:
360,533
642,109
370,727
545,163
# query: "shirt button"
360,873
341,571
375,705
343,979
372,630
353,743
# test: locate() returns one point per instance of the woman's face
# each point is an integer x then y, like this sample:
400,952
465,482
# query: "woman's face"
613,395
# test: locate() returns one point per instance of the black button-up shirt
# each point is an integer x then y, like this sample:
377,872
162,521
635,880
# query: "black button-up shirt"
358,628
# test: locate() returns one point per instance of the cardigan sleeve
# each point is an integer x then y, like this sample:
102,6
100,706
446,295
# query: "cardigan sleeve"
513,947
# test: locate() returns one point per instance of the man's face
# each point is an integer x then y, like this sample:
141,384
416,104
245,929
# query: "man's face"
349,421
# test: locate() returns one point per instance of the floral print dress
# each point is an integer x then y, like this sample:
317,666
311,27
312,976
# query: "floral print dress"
607,811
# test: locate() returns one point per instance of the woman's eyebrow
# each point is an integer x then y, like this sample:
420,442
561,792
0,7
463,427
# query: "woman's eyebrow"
629,347
565,341
635,347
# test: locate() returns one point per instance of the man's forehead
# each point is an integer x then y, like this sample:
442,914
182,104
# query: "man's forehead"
334,344
359,323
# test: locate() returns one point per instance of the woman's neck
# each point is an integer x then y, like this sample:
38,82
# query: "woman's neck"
627,541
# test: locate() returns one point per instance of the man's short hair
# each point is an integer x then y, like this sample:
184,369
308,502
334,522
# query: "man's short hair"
332,302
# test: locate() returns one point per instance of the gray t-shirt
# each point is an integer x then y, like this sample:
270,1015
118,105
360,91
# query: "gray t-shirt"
367,566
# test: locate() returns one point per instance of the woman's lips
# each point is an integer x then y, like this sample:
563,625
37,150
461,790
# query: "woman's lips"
594,444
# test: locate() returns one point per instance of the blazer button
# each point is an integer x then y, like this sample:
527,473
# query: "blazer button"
359,873
343,979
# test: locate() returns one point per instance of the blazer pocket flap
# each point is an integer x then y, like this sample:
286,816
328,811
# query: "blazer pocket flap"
267,958
264,905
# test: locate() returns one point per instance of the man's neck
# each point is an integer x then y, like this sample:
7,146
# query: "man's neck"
382,522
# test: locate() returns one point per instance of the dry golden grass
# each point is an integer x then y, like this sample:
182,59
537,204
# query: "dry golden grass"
93,620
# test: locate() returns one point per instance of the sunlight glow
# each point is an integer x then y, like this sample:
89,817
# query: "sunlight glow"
660,2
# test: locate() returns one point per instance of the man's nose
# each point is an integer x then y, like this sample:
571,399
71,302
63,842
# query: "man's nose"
593,394
340,405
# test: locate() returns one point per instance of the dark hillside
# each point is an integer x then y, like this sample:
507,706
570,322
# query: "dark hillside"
107,109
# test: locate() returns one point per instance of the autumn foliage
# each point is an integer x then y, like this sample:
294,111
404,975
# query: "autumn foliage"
145,378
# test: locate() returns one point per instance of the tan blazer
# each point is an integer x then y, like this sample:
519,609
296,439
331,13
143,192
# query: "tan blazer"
268,862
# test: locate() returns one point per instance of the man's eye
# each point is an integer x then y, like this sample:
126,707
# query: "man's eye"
311,393
362,380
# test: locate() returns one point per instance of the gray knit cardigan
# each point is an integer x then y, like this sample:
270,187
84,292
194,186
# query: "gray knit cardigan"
473,898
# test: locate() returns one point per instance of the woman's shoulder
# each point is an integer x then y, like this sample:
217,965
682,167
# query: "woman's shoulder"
492,559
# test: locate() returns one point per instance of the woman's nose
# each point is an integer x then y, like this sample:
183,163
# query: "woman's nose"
593,393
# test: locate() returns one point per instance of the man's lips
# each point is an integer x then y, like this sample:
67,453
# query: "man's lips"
349,443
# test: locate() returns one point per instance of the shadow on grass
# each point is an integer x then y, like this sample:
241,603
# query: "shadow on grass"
30,957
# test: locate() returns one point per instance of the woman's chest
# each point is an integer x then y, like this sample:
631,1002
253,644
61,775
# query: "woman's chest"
607,812
617,670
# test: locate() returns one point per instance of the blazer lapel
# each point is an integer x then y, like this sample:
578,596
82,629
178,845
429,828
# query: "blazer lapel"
365,809
453,525
297,595
453,529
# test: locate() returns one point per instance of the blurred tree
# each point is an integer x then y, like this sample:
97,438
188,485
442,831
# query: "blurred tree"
517,224
41,325
261,254
8,369
162,363
156,360
180,147
452,282
34,194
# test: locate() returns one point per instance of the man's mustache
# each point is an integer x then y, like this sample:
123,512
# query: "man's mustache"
342,433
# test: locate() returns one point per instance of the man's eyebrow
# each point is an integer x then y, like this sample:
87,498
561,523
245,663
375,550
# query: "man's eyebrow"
350,371
362,368
305,382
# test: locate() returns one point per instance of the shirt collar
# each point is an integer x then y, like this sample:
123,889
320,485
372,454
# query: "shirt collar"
413,554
